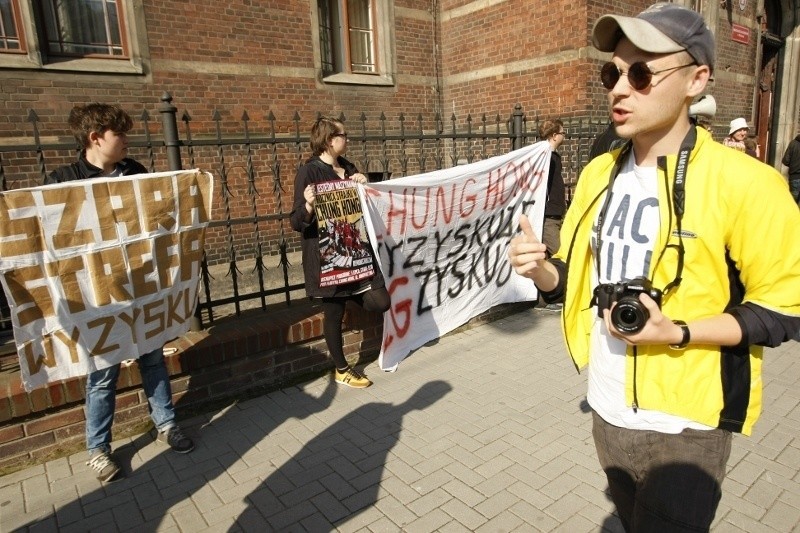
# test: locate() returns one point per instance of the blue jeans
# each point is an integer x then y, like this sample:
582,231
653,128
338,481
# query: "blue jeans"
794,187
101,396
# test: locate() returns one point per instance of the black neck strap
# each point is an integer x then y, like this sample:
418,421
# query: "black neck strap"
678,199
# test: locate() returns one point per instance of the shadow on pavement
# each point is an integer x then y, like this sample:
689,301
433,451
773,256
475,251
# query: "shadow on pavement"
165,478
337,474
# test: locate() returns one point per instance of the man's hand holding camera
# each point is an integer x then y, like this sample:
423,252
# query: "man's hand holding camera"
632,312
657,329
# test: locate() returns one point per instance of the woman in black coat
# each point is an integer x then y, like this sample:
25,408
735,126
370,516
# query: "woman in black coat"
328,144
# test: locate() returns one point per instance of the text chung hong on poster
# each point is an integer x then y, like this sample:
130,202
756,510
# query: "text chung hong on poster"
442,240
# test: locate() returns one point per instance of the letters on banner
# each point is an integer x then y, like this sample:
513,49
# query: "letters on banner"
343,246
102,270
442,238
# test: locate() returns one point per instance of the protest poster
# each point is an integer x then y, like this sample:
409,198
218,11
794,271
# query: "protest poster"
101,270
344,250
442,241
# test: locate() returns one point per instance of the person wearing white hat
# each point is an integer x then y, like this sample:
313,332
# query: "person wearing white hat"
672,275
737,137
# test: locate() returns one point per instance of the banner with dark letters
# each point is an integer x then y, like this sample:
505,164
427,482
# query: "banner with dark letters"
343,245
442,239
102,270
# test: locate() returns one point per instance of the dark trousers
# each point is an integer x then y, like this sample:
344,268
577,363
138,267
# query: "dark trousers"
375,300
663,482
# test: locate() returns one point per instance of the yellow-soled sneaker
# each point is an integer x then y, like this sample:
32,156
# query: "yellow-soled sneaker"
352,378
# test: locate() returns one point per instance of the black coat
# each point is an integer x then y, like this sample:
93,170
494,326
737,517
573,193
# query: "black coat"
791,158
317,171
82,169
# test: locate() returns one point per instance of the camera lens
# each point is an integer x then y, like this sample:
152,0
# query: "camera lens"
629,315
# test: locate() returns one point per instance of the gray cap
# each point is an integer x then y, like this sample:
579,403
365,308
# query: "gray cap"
661,28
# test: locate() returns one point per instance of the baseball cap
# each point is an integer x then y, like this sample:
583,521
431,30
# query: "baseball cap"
661,28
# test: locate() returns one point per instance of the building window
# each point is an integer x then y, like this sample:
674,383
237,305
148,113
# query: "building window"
83,28
73,35
354,41
347,36
10,36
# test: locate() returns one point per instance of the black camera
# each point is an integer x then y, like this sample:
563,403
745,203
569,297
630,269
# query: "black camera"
629,315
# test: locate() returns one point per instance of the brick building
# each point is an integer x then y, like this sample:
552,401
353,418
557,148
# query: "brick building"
281,62
409,56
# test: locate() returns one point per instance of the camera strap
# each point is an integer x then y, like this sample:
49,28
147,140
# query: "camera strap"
623,154
678,200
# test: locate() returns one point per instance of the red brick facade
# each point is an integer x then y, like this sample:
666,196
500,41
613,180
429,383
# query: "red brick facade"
446,56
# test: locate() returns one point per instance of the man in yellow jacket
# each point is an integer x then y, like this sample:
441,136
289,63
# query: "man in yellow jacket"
679,261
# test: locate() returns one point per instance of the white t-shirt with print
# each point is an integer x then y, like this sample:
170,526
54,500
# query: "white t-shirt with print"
629,232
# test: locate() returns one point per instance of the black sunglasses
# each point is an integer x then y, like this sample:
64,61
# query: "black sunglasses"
639,74
339,135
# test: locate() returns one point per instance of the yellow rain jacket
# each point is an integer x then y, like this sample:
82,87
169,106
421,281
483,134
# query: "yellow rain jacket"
741,233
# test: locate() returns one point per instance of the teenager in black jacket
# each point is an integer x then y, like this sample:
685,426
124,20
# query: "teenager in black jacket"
102,131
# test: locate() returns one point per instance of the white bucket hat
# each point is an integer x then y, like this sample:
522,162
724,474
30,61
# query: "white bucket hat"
738,124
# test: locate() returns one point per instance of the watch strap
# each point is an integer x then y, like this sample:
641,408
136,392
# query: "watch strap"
686,336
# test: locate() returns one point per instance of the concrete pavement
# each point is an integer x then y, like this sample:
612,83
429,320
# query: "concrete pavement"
485,430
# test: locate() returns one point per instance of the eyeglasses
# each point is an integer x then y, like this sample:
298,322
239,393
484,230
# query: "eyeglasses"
560,133
340,135
639,74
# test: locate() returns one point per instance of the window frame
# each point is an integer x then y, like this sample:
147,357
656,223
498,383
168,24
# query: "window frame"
382,47
17,20
36,57
50,8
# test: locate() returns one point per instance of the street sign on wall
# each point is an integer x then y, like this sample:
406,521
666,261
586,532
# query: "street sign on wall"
740,34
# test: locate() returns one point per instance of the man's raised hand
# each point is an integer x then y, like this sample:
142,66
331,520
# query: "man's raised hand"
526,252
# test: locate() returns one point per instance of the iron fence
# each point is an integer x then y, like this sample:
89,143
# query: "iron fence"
251,254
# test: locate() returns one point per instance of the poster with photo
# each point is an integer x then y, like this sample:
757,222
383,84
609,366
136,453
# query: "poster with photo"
344,250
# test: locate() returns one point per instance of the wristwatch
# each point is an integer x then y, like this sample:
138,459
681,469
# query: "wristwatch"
686,336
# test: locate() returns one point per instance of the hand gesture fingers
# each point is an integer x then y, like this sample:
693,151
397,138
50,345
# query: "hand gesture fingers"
526,252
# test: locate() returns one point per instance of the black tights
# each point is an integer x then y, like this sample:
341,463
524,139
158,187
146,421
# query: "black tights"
333,309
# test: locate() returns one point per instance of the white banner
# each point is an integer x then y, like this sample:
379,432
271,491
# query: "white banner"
441,239
98,271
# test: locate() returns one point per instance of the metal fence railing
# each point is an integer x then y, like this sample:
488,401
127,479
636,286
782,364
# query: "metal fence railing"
251,253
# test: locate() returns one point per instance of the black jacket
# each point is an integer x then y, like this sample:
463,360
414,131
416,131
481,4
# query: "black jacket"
792,158
82,169
317,171
556,204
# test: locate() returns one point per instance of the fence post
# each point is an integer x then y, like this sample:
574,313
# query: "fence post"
517,131
169,124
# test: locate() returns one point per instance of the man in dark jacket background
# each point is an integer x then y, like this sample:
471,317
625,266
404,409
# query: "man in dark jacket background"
791,158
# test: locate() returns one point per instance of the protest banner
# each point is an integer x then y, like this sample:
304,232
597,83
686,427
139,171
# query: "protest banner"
343,246
102,270
442,240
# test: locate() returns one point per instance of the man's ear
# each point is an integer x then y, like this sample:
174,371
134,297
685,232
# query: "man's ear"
93,136
699,80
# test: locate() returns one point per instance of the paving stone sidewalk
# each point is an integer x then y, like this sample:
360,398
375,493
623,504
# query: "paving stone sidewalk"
485,430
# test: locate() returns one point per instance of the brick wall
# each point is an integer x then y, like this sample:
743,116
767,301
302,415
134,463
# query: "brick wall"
231,57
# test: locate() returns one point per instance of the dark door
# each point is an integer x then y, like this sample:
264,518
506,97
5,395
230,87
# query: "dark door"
766,94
